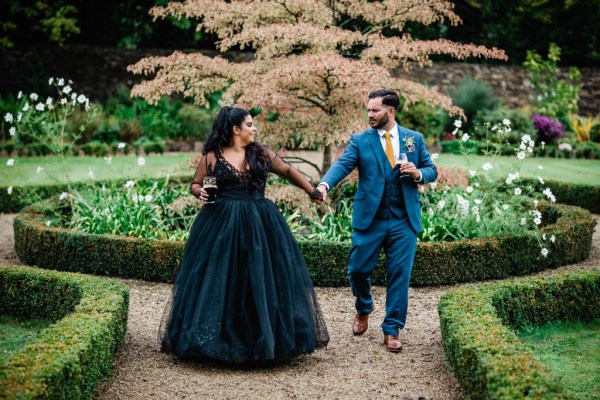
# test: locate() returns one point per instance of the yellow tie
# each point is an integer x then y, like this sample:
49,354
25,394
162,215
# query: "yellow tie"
389,149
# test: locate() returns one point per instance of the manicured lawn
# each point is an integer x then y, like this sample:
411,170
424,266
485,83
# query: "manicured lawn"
571,350
24,170
560,169
15,334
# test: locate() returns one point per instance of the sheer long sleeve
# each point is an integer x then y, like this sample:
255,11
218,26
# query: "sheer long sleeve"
285,170
205,167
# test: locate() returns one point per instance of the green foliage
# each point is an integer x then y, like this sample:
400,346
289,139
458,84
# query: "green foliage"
458,147
334,226
71,356
423,118
473,96
553,96
15,333
436,263
520,124
486,356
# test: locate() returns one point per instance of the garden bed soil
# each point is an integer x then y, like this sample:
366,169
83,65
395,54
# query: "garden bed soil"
351,367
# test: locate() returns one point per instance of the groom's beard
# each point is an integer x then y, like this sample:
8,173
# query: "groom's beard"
379,124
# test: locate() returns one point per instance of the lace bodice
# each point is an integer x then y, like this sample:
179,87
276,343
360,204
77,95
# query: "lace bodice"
230,178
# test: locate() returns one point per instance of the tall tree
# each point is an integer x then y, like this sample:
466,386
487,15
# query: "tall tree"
315,61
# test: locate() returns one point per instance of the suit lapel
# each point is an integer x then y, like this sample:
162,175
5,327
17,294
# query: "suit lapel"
377,149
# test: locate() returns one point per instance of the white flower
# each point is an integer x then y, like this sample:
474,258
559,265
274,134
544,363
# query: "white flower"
553,238
506,122
63,101
543,144
67,89
476,184
61,82
505,207
9,190
10,162
457,123
39,169
530,150
475,209
523,221
521,155
463,204
537,221
129,184
441,204
148,198
540,167
19,116
63,196
433,185
48,223
541,179
20,94
469,189
50,81
494,127
141,161
523,146
49,101
472,172
545,252
465,137
33,96
517,191
549,194
537,214
81,99
477,217
535,203
434,156
121,145
91,173
26,107
8,117
12,131
565,146
108,160
134,197
477,201
74,96
511,177
544,236
40,106
487,166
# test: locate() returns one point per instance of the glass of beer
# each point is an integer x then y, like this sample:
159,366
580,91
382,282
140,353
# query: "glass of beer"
209,183
401,159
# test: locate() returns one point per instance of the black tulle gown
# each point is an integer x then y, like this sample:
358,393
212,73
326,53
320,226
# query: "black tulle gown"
243,293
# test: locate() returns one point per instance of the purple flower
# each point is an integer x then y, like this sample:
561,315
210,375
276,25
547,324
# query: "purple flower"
548,129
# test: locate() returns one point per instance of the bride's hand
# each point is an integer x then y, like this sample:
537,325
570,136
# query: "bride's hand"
203,196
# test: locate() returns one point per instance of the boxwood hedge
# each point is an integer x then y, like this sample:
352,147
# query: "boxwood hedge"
487,357
435,264
75,352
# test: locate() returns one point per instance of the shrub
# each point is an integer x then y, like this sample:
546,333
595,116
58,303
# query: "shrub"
423,118
472,96
486,356
548,130
520,123
457,147
71,356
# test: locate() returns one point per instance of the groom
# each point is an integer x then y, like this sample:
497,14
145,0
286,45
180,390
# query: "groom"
386,210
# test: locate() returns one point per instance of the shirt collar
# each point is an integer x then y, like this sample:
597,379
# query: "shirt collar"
393,131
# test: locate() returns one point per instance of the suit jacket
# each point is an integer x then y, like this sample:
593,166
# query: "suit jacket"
365,152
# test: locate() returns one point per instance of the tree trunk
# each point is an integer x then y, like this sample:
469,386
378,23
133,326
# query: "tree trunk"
326,158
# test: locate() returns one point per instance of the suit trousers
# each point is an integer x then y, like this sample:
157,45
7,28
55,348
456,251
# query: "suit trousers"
399,241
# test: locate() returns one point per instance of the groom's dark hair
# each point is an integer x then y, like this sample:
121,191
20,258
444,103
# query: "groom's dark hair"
388,97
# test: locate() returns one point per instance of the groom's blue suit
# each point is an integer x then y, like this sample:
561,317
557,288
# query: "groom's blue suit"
386,214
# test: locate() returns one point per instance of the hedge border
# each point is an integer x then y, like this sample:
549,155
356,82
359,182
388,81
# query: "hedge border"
72,355
435,263
486,356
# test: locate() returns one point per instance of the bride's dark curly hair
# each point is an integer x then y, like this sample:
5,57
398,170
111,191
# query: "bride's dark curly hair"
222,132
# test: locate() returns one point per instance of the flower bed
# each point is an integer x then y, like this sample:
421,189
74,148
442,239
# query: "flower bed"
435,264
75,353
487,357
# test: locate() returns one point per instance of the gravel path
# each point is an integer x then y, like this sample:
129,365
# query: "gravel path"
351,367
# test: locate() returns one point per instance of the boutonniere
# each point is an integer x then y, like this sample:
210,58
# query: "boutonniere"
409,144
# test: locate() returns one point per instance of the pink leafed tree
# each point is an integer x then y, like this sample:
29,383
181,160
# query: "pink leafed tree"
315,61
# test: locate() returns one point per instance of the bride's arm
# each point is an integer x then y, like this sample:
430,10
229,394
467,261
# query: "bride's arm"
285,170
205,168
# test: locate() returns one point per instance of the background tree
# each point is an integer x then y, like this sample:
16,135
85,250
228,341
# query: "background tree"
315,61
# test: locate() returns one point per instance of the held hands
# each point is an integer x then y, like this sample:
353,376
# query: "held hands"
323,189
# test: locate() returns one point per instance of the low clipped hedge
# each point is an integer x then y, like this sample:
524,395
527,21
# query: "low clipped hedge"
487,357
435,264
75,352
575,194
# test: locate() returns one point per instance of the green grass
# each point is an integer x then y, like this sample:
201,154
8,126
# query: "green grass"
571,351
16,334
24,170
559,169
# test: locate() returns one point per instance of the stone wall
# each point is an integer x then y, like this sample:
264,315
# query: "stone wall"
510,83
97,72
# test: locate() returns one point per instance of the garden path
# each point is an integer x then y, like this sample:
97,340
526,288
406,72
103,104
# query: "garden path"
351,367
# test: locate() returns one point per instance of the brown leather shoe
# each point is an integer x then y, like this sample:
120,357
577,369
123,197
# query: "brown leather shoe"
361,323
393,343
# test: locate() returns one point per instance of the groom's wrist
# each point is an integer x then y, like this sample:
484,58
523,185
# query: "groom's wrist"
325,185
